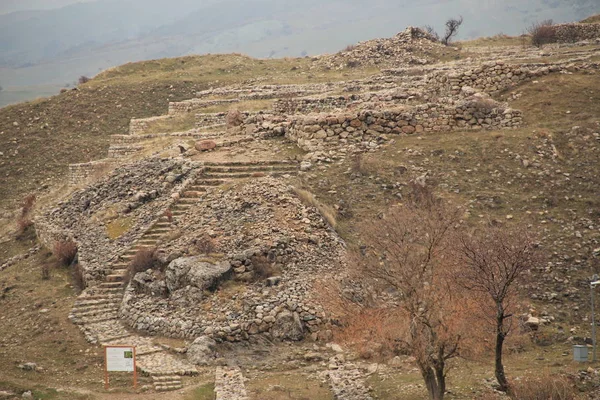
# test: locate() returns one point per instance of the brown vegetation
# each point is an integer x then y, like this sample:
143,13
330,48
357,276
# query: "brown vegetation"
24,221
145,258
543,387
77,276
65,252
205,244
495,261
310,200
542,33
263,268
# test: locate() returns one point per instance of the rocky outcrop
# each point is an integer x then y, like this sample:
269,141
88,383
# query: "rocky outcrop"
195,272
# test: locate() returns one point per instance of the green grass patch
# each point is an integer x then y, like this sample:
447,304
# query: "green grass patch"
204,392
118,227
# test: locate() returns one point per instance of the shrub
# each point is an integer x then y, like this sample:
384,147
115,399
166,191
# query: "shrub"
45,272
77,276
204,244
234,118
543,387
65,252
542,33
145,258
24,221
263,268
350,47
353,64
430,31
83,79
452,26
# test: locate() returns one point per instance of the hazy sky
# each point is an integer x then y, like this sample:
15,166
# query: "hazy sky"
7,6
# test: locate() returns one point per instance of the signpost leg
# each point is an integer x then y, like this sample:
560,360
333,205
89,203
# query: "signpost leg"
134,370
105,371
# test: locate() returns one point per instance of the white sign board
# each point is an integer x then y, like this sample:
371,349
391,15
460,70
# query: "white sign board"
120,359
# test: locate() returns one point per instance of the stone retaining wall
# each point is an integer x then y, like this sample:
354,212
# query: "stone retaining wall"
570,33
122,151
312,131
139,126
83,173
186,106
305,105
210,119
490,77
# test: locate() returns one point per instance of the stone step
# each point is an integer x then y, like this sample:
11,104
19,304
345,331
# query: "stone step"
79,307
188,200
247,163
79,313
247,175
112,285
107,316
116,277
210,182
86,301
260,168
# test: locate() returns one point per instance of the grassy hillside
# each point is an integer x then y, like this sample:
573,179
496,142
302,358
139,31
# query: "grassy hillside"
40,138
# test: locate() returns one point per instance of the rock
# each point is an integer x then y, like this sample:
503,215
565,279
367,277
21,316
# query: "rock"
28,366
202,351
273,281
533,323
305,166
27,395
288,326
147,282
192,271
205,145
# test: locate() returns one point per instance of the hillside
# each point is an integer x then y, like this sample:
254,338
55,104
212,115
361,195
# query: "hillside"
300,153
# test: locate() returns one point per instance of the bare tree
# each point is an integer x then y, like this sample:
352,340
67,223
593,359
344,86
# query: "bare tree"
542,33
408,256
496,261
452,26
431,32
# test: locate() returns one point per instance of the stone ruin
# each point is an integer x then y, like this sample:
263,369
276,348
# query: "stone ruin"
238,251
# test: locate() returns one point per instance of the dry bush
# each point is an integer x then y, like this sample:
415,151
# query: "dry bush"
83,79
78,277
452,26
542,33
353,64
433,35
24,221
350,47
309,199
205,244
145,258
234,118
485,104
45,272
65,252
543,387
263,268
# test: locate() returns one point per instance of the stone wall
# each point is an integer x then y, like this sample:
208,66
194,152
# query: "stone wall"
139,126
313,131
187,106
83,173
122,151
570,33
210,119
490,77
306,105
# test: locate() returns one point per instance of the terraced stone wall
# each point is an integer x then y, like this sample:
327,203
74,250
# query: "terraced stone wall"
569,33
311,131
306,105
138,126
82,173
187,106
490,77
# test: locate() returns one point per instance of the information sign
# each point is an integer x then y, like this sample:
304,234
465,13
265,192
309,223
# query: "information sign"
119,359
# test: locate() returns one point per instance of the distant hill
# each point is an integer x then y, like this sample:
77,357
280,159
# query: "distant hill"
54,47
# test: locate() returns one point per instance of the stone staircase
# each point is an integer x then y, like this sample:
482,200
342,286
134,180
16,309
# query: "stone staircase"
96,310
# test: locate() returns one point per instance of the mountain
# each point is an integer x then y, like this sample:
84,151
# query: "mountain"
54,47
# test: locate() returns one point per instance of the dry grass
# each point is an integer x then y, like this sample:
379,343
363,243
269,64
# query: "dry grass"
176,123
118,227
594,19
543,387
145,258
310,200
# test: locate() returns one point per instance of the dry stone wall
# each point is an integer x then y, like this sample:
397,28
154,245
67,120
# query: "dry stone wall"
187,106
84,172
139,126
305,105
490,77
569,33
313,131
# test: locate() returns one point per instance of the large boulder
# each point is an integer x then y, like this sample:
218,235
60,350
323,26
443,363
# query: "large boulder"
288,326
195,272
202,351
148,282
